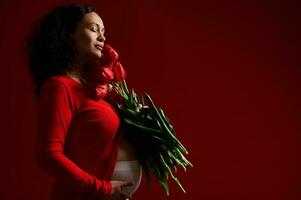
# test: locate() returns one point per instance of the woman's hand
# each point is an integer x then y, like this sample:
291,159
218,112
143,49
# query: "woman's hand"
117,193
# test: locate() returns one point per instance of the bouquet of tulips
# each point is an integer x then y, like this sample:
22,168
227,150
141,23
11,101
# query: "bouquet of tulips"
152,136
146,126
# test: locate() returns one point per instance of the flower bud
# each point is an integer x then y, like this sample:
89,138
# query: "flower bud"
119,73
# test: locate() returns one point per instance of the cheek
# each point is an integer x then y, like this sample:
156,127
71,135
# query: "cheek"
84,42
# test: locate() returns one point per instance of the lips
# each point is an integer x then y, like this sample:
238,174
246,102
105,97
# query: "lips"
99,47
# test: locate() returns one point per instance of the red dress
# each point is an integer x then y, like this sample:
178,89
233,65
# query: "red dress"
78,140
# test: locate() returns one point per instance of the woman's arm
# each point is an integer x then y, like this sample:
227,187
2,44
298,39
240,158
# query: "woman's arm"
55,114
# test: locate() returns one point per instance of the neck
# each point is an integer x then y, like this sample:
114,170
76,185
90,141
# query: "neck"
75,72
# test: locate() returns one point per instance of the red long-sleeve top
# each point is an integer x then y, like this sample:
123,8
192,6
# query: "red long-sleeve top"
78,139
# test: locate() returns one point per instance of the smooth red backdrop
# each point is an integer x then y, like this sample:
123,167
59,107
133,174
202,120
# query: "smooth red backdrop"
226,72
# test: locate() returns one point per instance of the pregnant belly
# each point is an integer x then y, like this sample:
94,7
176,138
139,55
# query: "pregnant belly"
126,151
127,167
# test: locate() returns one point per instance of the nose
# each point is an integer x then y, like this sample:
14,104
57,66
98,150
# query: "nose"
101,37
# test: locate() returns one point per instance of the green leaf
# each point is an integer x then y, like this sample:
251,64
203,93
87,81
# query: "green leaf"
161,121
171,174
141,126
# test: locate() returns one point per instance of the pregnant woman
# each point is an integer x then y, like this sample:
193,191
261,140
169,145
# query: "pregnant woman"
80,136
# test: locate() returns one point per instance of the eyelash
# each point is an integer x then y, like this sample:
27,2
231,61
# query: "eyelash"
94,30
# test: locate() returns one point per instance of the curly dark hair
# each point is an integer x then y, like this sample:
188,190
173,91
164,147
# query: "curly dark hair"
50,49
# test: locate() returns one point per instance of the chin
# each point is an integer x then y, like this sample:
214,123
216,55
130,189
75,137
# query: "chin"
96,55
99,54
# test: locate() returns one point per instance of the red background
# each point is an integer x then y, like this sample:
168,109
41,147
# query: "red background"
226,72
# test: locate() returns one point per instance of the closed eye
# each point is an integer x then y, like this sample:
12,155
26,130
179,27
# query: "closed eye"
94,29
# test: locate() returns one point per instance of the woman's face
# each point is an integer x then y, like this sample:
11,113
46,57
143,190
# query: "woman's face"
89,38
